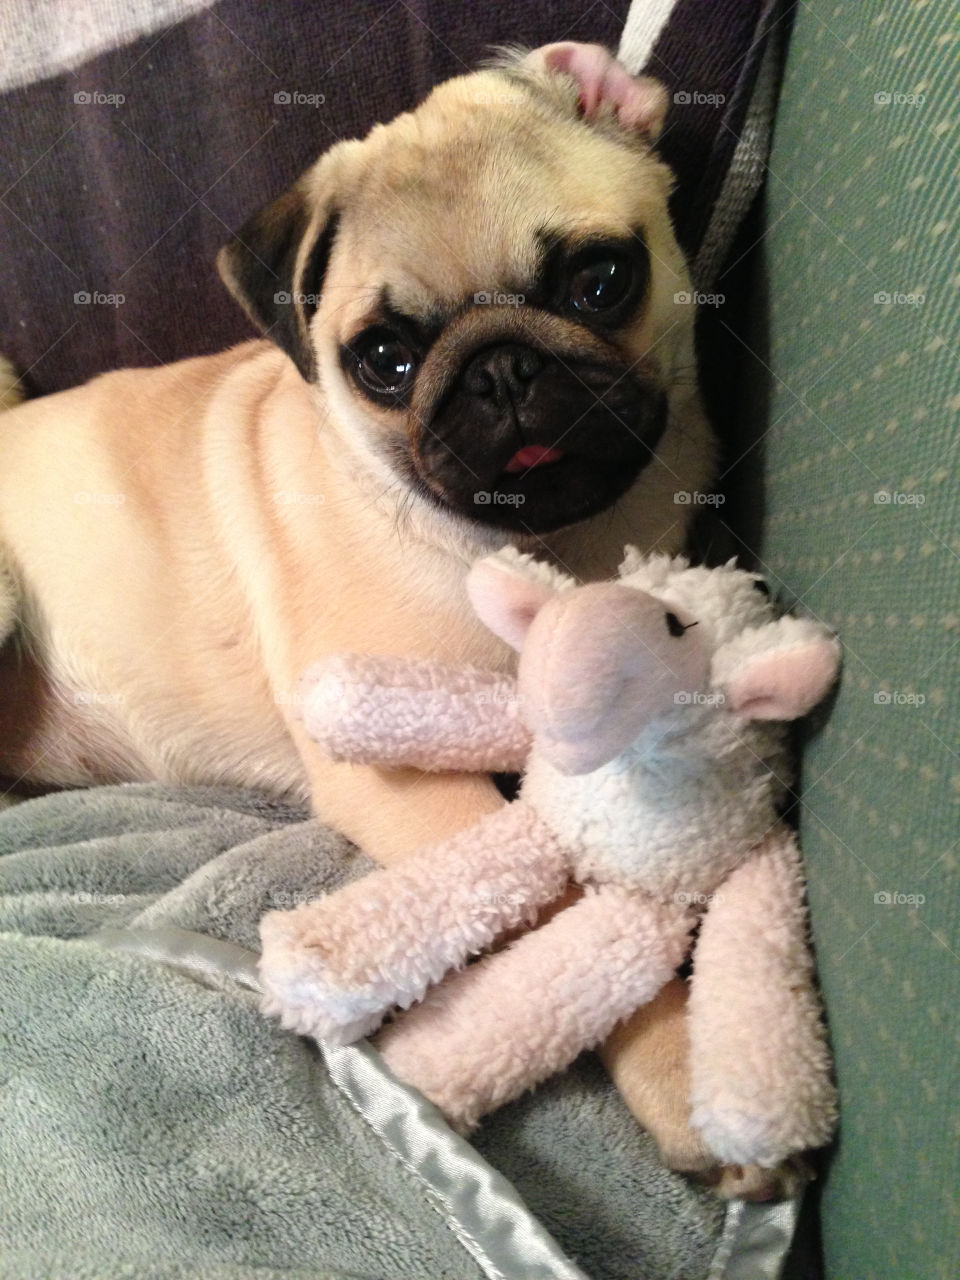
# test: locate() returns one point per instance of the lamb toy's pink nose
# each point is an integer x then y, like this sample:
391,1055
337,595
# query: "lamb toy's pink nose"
599,664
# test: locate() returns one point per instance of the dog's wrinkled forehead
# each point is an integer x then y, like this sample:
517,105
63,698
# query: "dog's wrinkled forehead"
457,197
724,600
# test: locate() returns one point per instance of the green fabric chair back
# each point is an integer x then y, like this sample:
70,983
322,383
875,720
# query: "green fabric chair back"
861,463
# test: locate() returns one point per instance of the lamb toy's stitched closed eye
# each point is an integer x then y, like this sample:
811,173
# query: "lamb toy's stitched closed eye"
649,713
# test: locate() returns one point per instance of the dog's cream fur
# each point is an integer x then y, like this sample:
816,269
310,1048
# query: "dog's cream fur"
178,544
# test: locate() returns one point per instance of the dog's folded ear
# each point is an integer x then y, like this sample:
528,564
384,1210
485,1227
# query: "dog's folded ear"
274,266
638,103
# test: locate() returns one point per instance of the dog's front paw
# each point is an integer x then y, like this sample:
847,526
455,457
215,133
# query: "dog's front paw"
301,991
683,1150
648,1058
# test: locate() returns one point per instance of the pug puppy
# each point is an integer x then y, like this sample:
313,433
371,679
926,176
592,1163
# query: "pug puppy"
472,342
470,339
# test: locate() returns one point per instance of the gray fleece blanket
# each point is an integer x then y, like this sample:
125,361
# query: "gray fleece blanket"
153,1124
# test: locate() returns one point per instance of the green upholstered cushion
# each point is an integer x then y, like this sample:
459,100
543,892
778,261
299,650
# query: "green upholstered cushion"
861,462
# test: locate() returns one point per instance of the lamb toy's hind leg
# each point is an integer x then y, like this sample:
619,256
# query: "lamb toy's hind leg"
334,967
761,1081
504,1024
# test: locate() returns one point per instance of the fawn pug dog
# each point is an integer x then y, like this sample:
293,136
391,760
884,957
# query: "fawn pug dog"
470,339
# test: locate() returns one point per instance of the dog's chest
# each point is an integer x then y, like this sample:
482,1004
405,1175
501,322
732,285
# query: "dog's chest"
52,733
77,727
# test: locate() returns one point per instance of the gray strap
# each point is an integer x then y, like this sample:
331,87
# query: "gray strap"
645,20
747,170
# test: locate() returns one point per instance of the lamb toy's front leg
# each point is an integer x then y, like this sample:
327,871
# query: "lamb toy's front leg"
334,967
761,1070
501,1026
391,711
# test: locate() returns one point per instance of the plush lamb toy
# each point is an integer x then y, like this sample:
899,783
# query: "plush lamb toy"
649,715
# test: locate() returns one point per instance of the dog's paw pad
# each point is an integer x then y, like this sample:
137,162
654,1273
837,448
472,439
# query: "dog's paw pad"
755,1183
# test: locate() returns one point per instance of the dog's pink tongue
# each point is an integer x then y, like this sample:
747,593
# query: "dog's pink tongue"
532,455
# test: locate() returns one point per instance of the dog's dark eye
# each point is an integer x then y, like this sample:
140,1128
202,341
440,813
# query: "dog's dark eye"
385,364
761,586
600,280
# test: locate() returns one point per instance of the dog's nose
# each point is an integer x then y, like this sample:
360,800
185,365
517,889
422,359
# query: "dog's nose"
508,367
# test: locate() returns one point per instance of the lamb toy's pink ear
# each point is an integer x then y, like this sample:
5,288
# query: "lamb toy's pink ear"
779,671
508,590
